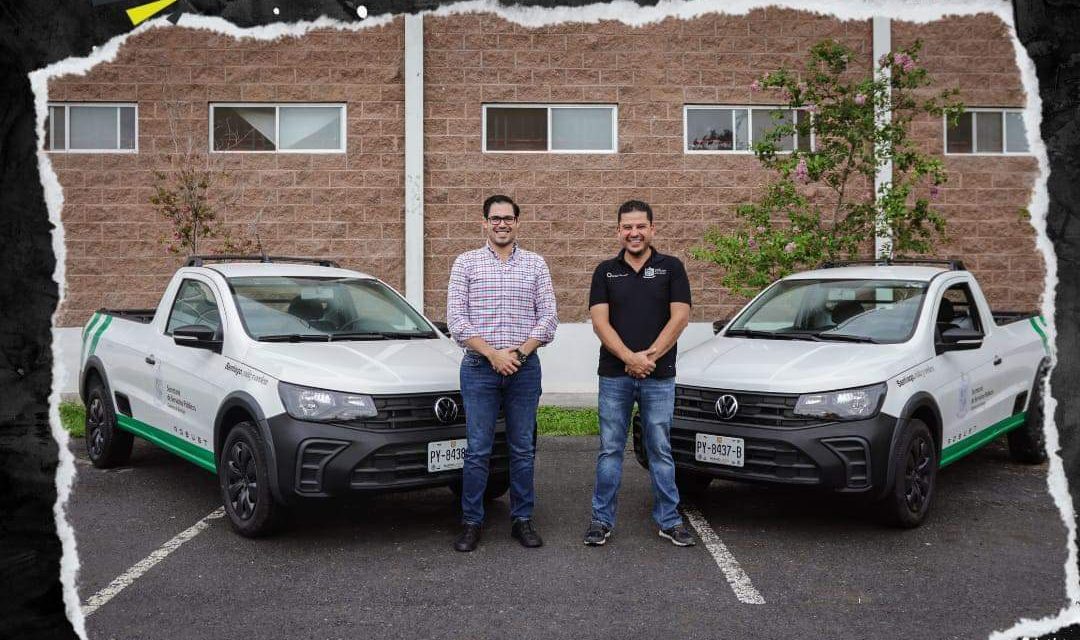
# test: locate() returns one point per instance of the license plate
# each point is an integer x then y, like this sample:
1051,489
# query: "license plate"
445,455
719,450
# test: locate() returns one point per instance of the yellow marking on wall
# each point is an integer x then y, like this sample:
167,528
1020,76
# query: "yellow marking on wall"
143,11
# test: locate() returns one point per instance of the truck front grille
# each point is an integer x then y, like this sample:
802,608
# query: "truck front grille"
404,465
762,459
756,409
411,411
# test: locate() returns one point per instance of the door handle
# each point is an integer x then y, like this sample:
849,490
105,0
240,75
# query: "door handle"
150,360
997,360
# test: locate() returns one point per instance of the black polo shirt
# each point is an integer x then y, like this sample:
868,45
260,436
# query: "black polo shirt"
639,305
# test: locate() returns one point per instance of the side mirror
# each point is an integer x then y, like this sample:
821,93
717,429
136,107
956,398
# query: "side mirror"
718,325
443,329
198,336
958,339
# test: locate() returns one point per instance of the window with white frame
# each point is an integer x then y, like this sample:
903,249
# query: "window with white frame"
736,129
555,128
92,127
987,131
282,128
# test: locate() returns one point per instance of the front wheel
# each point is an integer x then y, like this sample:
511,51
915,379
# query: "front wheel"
106,444
691,483
244,476
914,470
1027,443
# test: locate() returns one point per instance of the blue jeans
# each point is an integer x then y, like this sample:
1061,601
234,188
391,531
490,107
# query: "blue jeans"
485,392
656,403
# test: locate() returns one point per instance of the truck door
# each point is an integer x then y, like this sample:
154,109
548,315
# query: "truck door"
966,398
191,377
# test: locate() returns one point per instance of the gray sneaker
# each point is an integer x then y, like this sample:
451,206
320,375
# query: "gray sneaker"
597,534
679,536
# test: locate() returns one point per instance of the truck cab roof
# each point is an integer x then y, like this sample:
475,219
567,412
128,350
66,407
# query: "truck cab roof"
250,269
872,272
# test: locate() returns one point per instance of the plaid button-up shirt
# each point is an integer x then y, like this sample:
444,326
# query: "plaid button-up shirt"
505,303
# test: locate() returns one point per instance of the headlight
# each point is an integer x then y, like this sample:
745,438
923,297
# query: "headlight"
305,403
848,404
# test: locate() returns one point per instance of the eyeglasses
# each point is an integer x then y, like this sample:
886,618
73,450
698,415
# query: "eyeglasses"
497,220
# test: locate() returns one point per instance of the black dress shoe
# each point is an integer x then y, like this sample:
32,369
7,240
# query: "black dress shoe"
523,531
469,538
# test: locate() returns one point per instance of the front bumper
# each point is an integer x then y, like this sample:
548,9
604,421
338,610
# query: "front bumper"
319,460
848,457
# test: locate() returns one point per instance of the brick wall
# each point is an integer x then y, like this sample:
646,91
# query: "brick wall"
345,206
350,206
985,197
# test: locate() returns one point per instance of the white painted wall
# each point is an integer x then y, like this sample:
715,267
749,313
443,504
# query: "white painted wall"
569,362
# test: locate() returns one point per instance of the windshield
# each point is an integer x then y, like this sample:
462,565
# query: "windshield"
879,311
283,308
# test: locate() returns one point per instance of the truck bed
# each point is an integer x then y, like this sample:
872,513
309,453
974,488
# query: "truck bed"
143,316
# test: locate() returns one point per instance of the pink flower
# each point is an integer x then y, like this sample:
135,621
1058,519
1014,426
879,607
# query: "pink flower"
860,99
934,192
751,243
802,174
755,86
760,229
909,65
811,108
789,247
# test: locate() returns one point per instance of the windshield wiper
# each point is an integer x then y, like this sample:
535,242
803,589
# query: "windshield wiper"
758,333
846,337
381,335
295,337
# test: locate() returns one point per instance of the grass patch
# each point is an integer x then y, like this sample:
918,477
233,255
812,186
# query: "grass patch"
73,418
556,421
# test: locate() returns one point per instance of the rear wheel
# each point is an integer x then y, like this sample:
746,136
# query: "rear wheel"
914,469
244,477
106,444
1027,443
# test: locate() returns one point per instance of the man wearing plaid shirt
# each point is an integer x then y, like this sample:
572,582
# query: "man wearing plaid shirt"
500,307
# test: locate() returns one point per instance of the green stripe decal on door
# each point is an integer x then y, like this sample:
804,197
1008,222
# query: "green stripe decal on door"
958,450
97,335
1042,332
169,442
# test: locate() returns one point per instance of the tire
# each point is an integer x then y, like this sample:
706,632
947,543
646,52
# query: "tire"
691,483
914,469
497,486
106,444
1027,443
243,474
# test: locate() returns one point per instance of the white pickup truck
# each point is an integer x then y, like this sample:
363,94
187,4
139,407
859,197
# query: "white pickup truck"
288,378
860,379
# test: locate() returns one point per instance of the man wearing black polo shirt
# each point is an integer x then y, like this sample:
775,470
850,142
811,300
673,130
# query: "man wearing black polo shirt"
640,303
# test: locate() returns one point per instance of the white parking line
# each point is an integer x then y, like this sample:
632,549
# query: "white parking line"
736,577
131,575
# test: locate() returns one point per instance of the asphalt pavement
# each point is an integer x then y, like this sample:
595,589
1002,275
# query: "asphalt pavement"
993,551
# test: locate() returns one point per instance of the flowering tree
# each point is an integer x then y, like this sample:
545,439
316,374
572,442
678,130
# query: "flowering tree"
821,204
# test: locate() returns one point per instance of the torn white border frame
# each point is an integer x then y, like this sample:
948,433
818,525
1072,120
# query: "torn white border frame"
633,15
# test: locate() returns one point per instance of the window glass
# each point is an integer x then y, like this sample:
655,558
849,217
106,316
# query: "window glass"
957,309
988,134
55,136
742,130
711,130
244,128
871,310
92,128
581,129
195,305
352,308
1015,133
127,127
317,128
764,120
803,141
958,138
513,129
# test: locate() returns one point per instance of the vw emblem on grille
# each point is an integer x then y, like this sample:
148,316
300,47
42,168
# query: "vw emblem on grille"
446,410
727,406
